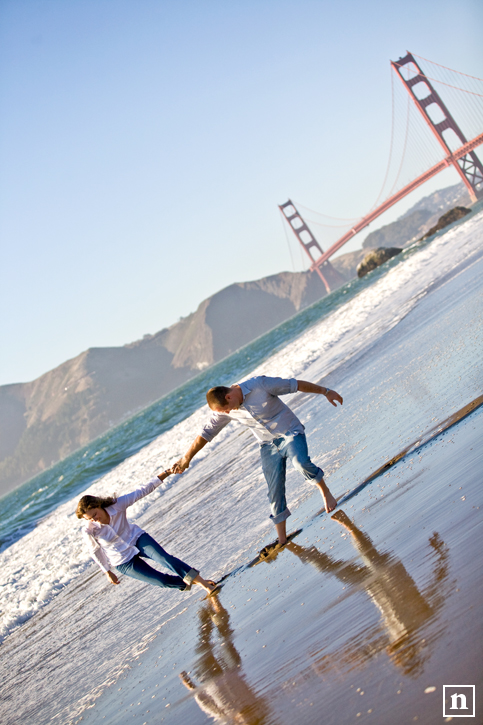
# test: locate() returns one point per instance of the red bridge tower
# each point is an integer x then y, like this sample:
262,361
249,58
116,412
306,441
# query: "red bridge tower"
427,101
326,271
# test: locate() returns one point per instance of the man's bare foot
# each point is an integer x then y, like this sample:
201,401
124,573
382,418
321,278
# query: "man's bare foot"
281,532
329,500
342,518
207,584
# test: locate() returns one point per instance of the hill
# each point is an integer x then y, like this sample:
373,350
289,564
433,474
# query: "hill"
43,421
414,223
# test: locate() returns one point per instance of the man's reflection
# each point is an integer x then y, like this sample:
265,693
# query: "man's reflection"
403,607
222,692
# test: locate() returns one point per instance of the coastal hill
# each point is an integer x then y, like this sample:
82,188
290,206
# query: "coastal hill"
418,219
45,420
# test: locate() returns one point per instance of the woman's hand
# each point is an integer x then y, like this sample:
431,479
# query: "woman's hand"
112,577
165,474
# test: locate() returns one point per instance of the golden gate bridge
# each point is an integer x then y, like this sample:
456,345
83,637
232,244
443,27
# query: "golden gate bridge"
458,153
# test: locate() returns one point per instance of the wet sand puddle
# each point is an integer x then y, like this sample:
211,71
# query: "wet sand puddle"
363,617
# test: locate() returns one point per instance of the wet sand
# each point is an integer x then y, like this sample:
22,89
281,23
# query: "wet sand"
363,617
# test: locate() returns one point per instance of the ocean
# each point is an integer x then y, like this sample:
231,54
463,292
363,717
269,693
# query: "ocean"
402,346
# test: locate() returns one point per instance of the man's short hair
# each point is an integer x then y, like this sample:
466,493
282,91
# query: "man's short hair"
217,396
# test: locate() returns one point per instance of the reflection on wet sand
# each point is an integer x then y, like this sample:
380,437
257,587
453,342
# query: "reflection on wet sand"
403,607
222,691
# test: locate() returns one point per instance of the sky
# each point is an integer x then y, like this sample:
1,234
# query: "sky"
145,146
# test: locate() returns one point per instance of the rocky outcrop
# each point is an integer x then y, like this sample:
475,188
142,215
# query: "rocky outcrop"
453,215
375,258
347,263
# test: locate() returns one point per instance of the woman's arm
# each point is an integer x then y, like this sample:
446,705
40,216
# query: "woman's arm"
112,577
96,551
128,499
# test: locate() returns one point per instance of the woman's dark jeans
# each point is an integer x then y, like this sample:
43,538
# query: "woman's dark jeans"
140,569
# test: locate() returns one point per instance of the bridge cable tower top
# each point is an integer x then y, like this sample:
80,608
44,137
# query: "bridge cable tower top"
468,166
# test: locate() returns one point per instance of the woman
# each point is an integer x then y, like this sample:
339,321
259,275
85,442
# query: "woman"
114,541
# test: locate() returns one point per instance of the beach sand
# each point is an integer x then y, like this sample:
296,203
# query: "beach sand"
363,617
366,615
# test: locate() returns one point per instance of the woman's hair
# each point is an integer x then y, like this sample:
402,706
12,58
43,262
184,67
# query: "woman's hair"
93,502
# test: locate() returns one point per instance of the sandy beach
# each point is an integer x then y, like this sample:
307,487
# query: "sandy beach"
361,618
365,616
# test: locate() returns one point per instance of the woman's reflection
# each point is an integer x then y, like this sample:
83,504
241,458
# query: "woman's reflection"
403,607
222,692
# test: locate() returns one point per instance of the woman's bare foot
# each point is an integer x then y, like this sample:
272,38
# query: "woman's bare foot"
329,500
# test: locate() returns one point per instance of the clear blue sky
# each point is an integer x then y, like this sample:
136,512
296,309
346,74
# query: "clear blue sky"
146,144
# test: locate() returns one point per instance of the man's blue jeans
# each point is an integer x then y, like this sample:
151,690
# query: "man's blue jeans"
140,569
274,463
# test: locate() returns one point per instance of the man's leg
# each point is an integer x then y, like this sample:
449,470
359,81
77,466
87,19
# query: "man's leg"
274,466
282,532
296,449
330,502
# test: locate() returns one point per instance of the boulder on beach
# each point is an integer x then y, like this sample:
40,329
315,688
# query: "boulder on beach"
375,258
451,216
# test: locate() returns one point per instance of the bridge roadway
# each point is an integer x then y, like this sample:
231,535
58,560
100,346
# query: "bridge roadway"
449,160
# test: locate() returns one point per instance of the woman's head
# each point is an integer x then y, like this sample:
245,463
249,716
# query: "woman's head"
90,504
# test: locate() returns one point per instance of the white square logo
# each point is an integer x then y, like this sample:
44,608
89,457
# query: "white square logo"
458,701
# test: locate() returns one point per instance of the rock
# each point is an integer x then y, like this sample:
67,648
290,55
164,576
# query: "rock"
375,258
347,263
451,216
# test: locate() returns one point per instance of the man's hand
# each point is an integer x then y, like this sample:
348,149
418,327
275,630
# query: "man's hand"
180,465
184,462
334,398
112,577
305,387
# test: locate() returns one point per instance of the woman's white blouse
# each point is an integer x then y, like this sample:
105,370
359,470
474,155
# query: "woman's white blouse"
114,543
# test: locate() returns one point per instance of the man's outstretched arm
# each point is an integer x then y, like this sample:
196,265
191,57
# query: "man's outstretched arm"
305,387
184,462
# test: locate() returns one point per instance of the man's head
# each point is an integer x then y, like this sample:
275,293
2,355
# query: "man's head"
222,399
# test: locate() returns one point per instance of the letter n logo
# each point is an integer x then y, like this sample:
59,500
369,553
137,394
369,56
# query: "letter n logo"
458,701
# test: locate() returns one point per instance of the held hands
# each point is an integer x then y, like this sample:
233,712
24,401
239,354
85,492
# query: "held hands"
334,398
180,466
112,577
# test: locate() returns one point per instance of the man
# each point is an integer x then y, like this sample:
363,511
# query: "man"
255,404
